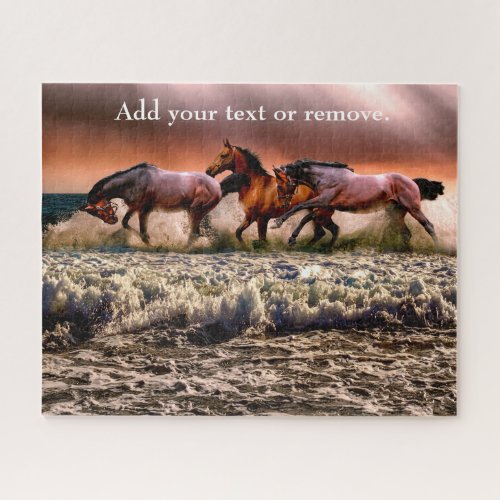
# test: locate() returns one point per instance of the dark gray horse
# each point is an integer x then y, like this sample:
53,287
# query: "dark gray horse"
145,188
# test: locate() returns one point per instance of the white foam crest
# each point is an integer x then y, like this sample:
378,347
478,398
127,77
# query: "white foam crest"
108,292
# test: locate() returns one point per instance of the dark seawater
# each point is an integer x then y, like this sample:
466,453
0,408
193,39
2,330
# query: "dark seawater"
134,330
60,207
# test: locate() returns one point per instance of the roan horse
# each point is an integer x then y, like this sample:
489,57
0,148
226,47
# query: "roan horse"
145,188
337,187
258,196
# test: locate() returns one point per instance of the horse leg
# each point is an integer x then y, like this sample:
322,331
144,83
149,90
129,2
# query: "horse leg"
325,220
195,216
417,214
262,228
293,238
244,225
143,222
126,218
396,215
204,222
317,202
319,232
334,229
412,204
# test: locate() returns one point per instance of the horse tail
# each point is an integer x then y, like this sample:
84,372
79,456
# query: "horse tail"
233,183
429,190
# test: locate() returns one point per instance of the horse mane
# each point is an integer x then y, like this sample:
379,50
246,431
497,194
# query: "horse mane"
99,184
122,172
307,162
254,163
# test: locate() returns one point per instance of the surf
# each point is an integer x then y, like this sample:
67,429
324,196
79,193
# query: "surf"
242,293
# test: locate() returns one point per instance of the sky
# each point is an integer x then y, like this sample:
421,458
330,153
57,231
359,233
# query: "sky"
82,142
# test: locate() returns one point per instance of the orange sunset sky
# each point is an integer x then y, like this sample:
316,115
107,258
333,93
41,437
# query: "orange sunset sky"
82,141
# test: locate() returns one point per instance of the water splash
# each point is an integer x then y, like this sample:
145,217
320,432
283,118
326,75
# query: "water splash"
226,295
169,230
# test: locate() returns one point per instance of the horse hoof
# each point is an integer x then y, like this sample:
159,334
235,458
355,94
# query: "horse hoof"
292,241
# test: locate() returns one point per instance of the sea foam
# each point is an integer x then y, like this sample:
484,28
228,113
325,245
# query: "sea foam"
237,293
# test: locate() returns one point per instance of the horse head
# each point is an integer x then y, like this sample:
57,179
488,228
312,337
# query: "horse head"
285,185
224,161
103,209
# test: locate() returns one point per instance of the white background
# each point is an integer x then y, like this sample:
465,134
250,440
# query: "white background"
255,41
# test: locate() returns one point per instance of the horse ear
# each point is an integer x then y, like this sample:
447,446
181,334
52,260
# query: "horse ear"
278,172
227,143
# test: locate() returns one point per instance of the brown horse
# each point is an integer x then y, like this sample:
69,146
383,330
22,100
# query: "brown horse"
258,197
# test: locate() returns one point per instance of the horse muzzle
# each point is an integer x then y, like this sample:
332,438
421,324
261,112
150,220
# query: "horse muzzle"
105,212
110,219
212,170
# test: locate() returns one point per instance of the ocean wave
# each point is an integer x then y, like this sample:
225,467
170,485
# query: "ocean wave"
220,296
